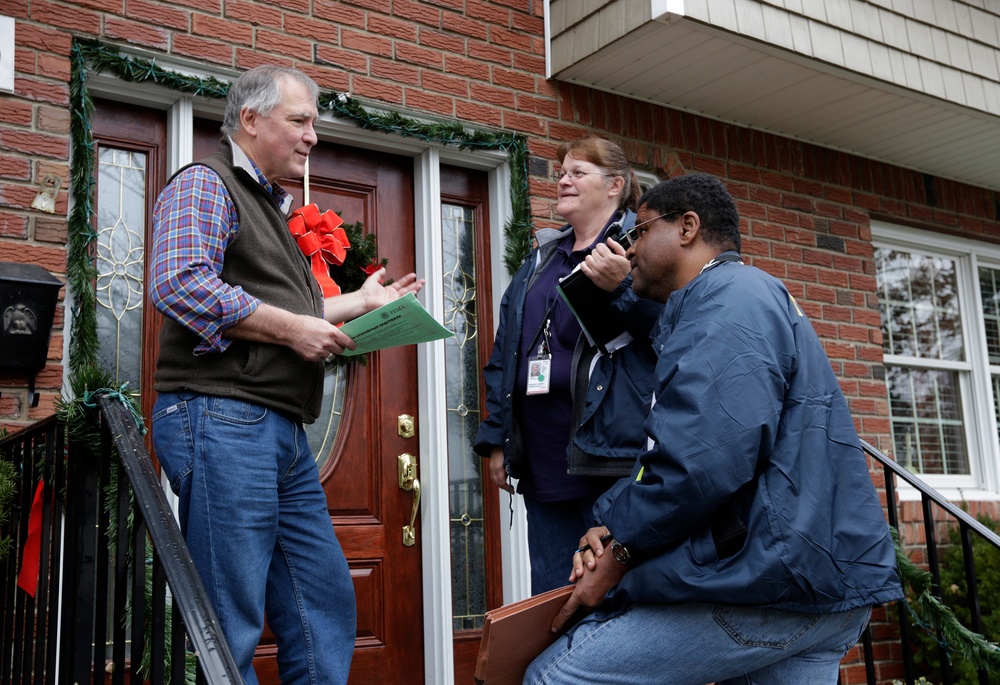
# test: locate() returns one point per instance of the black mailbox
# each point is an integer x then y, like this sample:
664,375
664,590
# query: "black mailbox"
28,295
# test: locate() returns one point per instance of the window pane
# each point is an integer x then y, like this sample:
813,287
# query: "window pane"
996,399
989,289
465,467
121,221
918,301
926,413
323,432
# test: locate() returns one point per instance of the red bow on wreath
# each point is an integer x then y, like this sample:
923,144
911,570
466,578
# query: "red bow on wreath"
321,238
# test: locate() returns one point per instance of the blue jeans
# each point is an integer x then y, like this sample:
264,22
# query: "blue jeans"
554,532
695,644
256,521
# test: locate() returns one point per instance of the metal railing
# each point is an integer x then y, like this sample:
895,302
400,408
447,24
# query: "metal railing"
932,504
118,598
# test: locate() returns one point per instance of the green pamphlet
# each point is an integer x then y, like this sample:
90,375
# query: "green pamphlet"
401,322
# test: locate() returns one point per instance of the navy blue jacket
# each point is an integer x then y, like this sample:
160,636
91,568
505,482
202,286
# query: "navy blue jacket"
609,415
749,423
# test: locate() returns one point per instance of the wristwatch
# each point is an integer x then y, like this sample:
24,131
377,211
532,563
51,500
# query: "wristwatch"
621,554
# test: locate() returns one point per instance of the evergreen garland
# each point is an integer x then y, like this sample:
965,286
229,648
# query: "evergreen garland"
81,271
145,668
77,414
932,616
8,487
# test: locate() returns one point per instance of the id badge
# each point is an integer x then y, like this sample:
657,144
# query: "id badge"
538,375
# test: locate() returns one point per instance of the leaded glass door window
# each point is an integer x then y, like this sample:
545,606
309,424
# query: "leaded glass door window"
130,156
474,503
120,290
323,433
465,467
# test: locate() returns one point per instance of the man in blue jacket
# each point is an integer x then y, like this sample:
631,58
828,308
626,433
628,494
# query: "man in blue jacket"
749,544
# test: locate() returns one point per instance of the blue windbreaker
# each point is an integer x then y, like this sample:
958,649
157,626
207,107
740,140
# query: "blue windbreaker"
750,425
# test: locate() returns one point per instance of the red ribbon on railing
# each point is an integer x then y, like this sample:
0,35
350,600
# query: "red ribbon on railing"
27,579
321,238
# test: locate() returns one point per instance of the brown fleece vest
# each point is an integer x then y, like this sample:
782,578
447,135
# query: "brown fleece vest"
265,261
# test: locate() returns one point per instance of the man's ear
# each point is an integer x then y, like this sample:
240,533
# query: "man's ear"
248,120
690,228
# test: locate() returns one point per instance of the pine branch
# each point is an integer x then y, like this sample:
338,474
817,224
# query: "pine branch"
936,619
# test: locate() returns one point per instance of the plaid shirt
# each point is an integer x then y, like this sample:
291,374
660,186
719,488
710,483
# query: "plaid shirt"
193,223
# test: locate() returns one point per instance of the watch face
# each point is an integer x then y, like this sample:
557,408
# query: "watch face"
621,554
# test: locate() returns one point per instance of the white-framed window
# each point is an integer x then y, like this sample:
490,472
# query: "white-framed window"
939,301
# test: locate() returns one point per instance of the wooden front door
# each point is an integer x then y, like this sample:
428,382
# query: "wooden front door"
359,458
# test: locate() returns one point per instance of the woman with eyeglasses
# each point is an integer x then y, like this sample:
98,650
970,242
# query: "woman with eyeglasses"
565,415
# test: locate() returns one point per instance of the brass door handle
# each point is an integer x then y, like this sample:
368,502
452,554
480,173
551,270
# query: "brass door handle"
409,482
409,532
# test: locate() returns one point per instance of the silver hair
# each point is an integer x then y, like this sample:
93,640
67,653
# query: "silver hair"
257,90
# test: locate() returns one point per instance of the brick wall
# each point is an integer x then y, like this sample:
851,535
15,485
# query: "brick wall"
34,141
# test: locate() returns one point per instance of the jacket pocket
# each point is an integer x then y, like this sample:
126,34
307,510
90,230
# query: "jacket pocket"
703,547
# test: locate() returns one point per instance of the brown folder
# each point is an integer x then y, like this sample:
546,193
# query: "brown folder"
515,634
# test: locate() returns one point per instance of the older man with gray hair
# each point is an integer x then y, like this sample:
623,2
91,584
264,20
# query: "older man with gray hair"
245,333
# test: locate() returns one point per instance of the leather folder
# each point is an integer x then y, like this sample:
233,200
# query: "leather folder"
515,634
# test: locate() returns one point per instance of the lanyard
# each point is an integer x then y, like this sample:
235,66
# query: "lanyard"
544,333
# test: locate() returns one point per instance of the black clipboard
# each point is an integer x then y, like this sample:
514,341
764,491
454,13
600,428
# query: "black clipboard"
592,306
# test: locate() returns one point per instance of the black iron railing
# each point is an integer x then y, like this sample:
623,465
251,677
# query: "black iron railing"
936,511
117,599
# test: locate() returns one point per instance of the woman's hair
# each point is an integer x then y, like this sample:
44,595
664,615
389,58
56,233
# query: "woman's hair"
609,156
257,90
706,196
